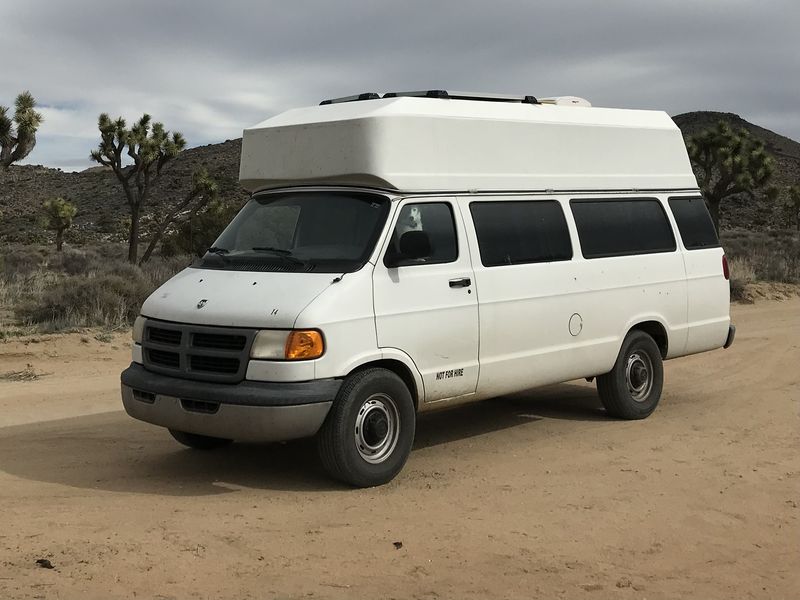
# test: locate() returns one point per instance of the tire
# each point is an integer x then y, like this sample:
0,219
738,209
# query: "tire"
199,442
632,389
368,433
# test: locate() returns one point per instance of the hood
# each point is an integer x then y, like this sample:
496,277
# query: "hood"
235,298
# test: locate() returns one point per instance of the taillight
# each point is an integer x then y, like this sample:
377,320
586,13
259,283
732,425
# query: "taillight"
725,270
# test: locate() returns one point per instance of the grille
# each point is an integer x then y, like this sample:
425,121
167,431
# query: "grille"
214,364
164,336
167,359
199,352
216,340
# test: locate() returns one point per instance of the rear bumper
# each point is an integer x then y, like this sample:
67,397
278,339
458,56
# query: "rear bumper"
731,335
247,411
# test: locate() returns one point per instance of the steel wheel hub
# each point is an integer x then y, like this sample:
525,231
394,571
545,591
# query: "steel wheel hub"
639,376
377,428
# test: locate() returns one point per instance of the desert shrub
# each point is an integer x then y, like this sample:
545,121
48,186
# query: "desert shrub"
742,273
75,262
20,262
81,301
773,255
79,287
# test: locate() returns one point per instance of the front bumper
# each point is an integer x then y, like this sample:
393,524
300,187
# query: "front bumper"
248,411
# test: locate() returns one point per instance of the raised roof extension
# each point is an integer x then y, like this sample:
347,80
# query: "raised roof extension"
419,144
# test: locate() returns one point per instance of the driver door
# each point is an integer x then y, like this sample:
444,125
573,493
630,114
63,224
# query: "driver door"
425,299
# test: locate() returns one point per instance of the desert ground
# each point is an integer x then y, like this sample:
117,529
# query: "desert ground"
535,495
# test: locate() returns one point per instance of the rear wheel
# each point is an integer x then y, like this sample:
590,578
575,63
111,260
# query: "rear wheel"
632,389
199,442
367,436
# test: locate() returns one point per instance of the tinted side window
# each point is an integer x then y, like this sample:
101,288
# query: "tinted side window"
622,227
513,233
694,223
434,219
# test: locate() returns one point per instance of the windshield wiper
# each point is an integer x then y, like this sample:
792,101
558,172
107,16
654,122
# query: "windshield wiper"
283,253
271,249
221,252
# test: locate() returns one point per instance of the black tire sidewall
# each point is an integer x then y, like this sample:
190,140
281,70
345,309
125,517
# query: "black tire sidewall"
626,405
353,468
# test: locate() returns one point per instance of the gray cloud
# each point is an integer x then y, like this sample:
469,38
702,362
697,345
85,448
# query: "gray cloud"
209,69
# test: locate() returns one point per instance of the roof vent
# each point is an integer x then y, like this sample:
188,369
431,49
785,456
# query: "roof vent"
566,101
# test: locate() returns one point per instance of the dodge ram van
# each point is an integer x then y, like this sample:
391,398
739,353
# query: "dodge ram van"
417,250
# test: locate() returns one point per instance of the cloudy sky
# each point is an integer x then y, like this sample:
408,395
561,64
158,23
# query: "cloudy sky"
209,68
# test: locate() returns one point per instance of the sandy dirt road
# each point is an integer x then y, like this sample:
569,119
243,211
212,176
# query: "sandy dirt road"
537,495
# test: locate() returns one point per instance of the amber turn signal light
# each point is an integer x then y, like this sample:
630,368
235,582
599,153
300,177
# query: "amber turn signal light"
304,344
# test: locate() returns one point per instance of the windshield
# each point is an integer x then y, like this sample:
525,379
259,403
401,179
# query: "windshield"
326,232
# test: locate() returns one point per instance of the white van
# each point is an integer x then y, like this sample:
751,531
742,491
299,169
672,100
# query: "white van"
410,252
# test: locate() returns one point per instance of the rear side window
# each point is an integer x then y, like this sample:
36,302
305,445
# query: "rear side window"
513,233
694,223
622,227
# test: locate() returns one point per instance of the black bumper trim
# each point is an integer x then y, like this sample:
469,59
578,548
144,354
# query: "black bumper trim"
245,393
731,336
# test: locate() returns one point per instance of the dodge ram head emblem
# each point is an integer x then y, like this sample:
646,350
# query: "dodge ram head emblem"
202,303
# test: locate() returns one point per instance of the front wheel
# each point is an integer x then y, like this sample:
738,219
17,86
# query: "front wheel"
367,436
632,389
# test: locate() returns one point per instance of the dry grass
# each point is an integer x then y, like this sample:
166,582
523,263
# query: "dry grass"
743,273
26,374
41,290
773,255
764,256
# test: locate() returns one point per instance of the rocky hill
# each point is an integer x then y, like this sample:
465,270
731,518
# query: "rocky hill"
98,195
743,212
101,207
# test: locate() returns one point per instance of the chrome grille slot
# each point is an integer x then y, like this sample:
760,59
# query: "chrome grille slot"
199,352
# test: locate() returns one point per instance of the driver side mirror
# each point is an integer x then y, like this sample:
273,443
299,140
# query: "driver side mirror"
414,245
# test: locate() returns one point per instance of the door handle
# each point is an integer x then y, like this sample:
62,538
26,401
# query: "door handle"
460,283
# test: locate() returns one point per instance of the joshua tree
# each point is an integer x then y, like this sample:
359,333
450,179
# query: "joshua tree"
204,190
150,148
728,162
18,135
58,215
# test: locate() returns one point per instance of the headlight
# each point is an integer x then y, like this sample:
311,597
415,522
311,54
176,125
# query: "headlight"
270,344
138,329
278,344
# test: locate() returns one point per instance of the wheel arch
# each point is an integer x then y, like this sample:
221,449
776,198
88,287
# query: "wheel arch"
399,367
656,330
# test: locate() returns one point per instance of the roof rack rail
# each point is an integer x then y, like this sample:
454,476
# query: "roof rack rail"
464,96
355,98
